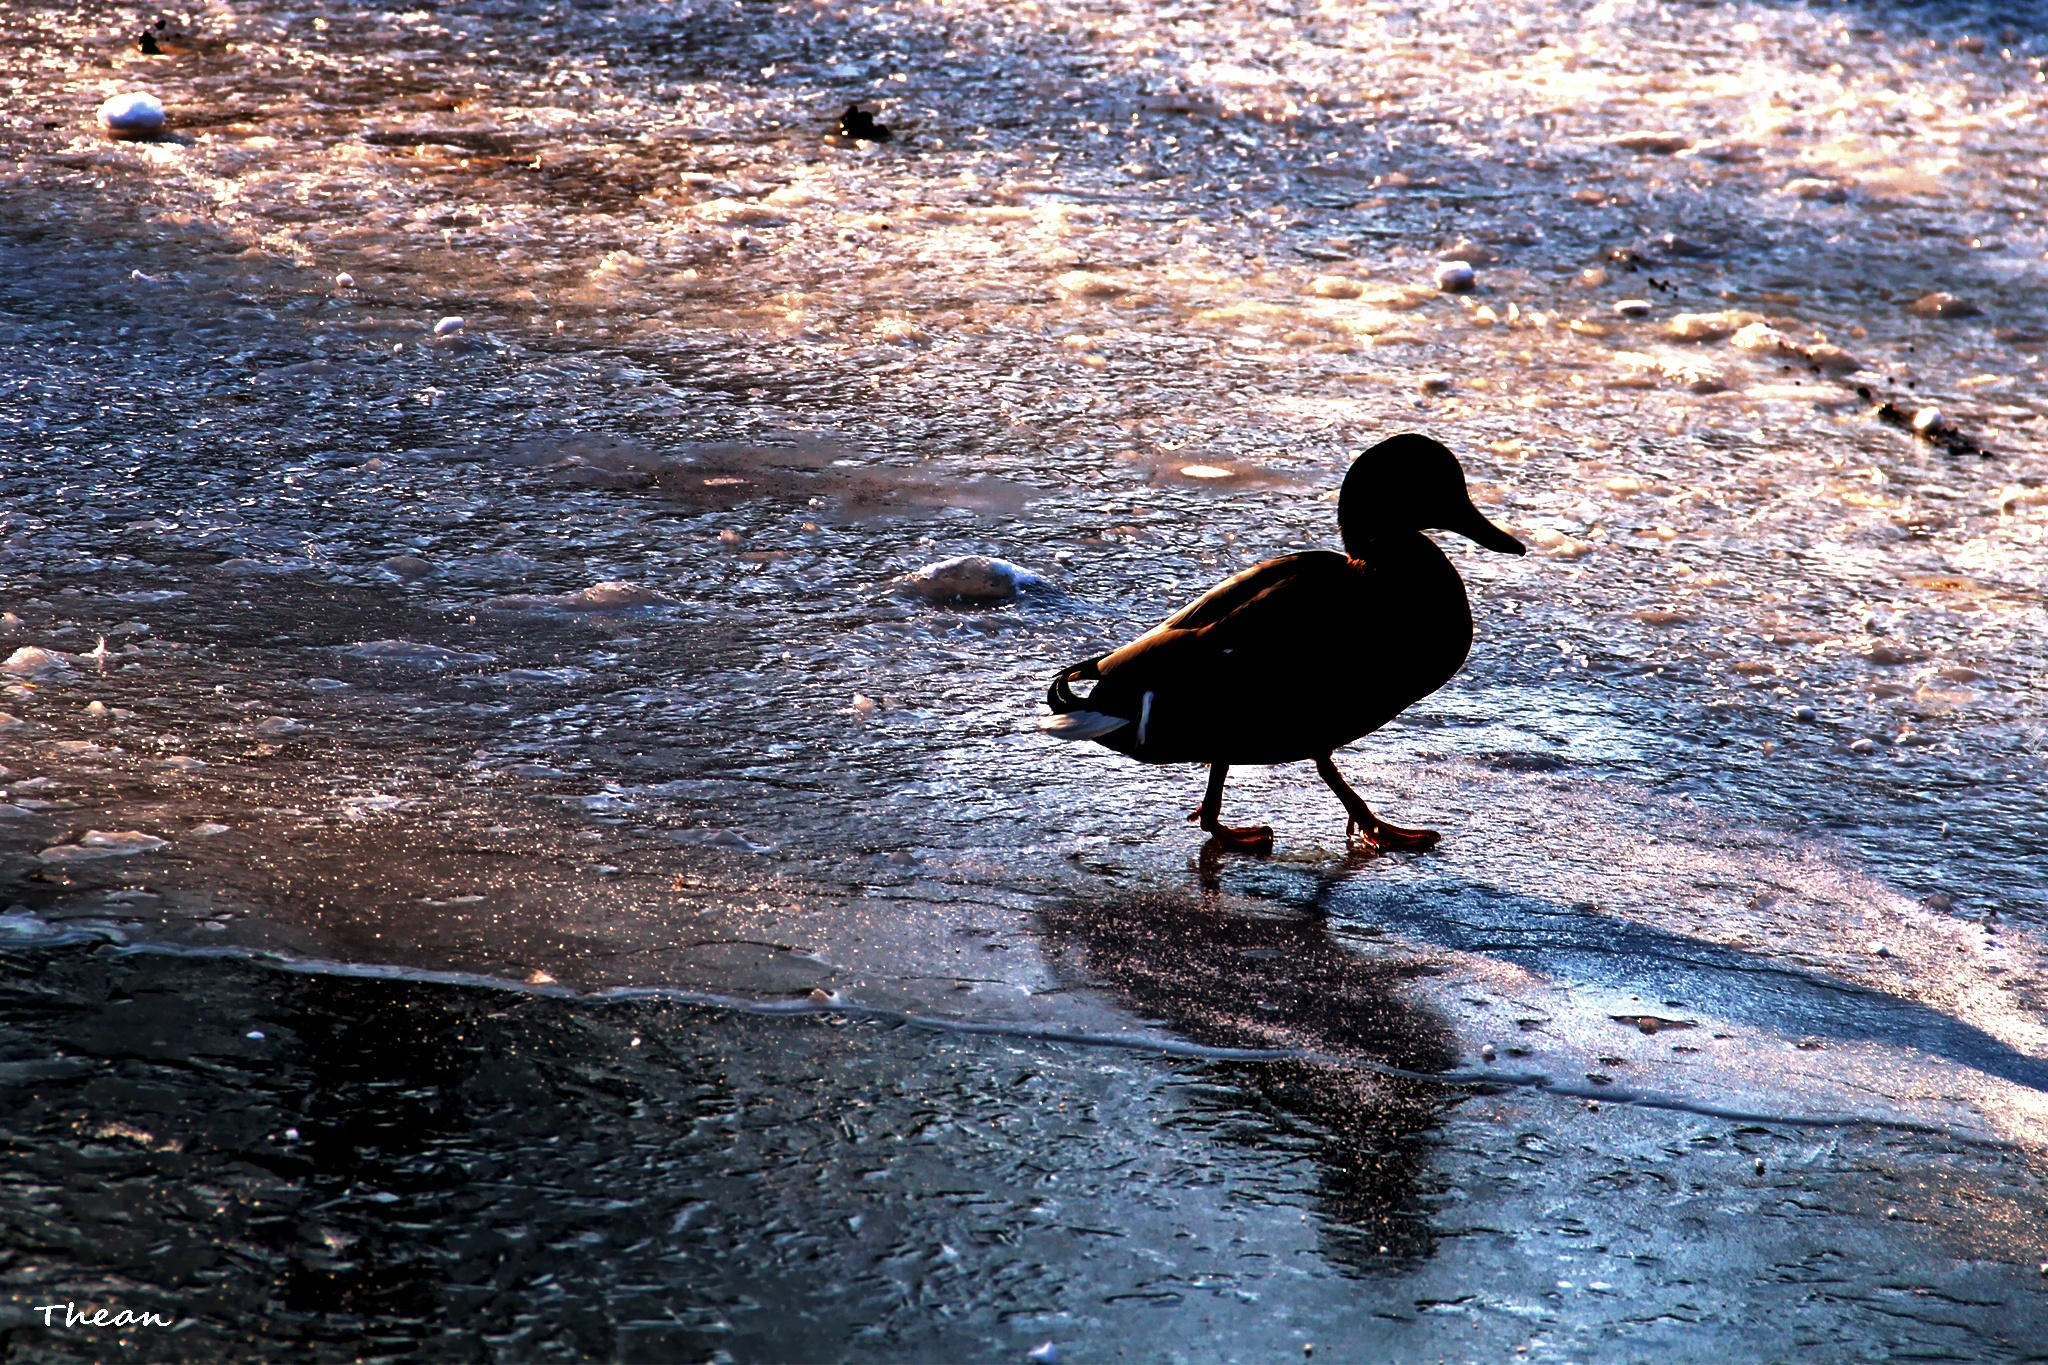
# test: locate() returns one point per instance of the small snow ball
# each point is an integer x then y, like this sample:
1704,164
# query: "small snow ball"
447,327
344,281
1048,1354
1929,420
133,115
1456,277
1633,308
973,578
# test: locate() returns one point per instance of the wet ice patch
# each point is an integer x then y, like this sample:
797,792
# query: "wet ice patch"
607,596
715,838
974,578
96,844
412,654
565,676
247,567
376,803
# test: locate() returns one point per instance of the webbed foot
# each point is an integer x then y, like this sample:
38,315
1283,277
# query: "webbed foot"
1234,838
1366,830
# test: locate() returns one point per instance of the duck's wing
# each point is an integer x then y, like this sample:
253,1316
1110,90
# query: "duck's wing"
1207,650
1234,592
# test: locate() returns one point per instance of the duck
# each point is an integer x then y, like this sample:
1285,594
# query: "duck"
1294,658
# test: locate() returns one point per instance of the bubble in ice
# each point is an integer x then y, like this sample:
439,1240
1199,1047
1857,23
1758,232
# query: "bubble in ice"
448,327
133,114
973,578
1456,277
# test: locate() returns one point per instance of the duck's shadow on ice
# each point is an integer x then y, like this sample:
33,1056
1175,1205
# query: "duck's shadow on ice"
1672,971
1225,974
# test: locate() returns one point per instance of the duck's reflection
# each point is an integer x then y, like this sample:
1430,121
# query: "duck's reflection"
1225,974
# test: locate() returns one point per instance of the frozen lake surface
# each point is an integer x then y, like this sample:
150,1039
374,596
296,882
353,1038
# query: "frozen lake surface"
497,861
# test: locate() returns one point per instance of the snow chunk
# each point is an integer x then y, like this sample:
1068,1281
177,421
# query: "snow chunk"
133,115
1709,326
31,662
99,843
974,578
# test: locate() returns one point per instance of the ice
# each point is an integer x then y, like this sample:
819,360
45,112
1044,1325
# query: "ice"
609,596
715,838
1117,303
412,654
95,844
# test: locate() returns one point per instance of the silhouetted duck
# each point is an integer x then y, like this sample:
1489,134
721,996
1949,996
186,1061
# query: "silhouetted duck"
1298,656
857,122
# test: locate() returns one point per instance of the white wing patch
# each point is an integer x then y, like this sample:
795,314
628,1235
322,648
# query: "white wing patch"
1081,725
1145,717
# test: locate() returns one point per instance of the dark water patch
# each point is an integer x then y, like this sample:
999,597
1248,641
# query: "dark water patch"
1230,975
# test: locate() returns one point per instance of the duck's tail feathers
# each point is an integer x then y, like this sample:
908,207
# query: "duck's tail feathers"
1060,698
1081,725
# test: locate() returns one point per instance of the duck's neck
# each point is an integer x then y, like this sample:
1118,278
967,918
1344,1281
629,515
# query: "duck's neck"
1384,548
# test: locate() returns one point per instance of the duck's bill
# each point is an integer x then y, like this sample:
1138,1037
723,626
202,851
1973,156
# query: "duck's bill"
1475,527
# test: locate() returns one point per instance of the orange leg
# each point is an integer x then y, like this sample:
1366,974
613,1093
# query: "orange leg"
1209,815
1372,831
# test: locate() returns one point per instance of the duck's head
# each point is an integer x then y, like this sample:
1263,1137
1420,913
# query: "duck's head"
1410,483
